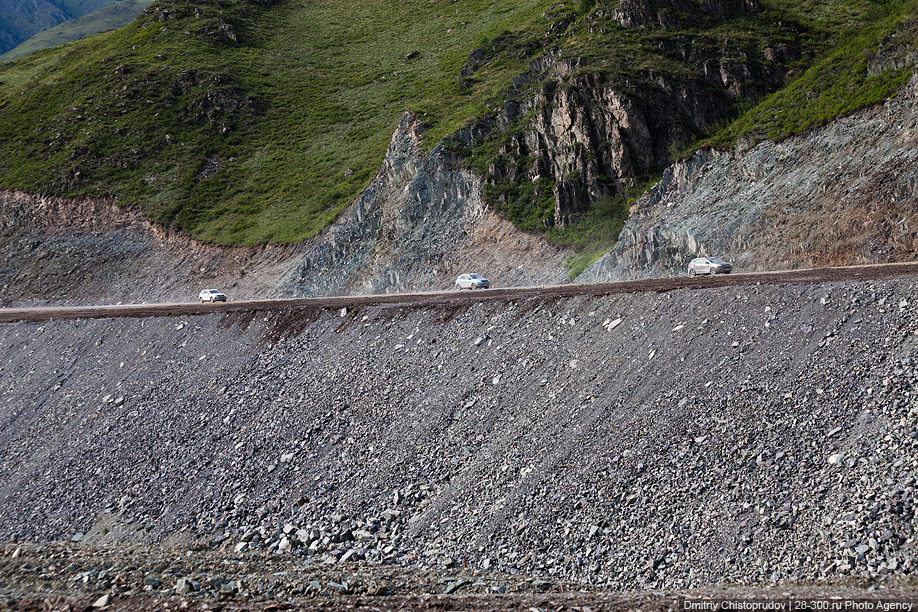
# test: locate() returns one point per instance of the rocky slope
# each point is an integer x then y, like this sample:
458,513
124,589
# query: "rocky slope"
419,224
82,251
589,130
839,195
650,440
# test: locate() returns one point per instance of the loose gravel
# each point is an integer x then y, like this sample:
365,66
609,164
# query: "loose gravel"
746,435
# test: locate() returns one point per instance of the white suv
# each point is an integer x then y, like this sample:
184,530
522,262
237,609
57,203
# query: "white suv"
708,265
211,295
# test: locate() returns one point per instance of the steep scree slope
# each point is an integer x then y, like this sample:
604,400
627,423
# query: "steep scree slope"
839,195
669,439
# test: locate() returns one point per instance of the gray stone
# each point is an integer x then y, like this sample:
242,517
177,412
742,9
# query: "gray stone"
185,585
102,602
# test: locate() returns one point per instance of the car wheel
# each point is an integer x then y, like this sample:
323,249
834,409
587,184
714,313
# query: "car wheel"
713,271
691,272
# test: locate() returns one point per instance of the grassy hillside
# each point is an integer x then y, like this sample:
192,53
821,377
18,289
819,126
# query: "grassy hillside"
296,114
243,122
107,18
839,80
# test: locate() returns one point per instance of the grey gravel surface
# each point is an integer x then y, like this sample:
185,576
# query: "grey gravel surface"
740,434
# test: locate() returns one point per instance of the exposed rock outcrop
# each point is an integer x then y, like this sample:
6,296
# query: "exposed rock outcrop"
843,194
419,224
667,13
582,135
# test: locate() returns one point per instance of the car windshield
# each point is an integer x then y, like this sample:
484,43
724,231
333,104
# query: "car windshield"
475,276
717,261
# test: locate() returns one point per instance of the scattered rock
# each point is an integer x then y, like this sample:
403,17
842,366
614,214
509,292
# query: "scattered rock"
102,602
185,585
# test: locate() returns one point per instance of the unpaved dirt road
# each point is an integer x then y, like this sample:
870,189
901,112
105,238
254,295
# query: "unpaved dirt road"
789,277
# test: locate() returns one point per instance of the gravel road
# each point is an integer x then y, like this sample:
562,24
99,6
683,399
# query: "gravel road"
433,298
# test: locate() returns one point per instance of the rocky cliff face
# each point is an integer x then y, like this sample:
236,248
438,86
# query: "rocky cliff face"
419,224
584,135
843,194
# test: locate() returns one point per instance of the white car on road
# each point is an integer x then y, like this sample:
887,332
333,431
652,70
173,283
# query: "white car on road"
709,265
211,295
472,281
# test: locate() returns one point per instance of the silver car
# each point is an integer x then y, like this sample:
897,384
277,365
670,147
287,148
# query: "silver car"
708,265
211,295
472,281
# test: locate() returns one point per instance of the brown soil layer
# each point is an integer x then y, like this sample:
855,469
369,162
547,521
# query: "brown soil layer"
73,577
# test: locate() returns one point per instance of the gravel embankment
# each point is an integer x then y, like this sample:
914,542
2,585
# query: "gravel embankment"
643,441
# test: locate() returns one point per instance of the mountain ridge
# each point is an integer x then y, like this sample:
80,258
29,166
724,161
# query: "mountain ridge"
221,159
19,20
107,17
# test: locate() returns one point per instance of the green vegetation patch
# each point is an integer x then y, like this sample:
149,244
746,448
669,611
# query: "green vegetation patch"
837,82
598,228
242,123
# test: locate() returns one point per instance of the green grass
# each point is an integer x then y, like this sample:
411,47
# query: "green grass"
300,109
107,18
312,90
837,82
598,228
